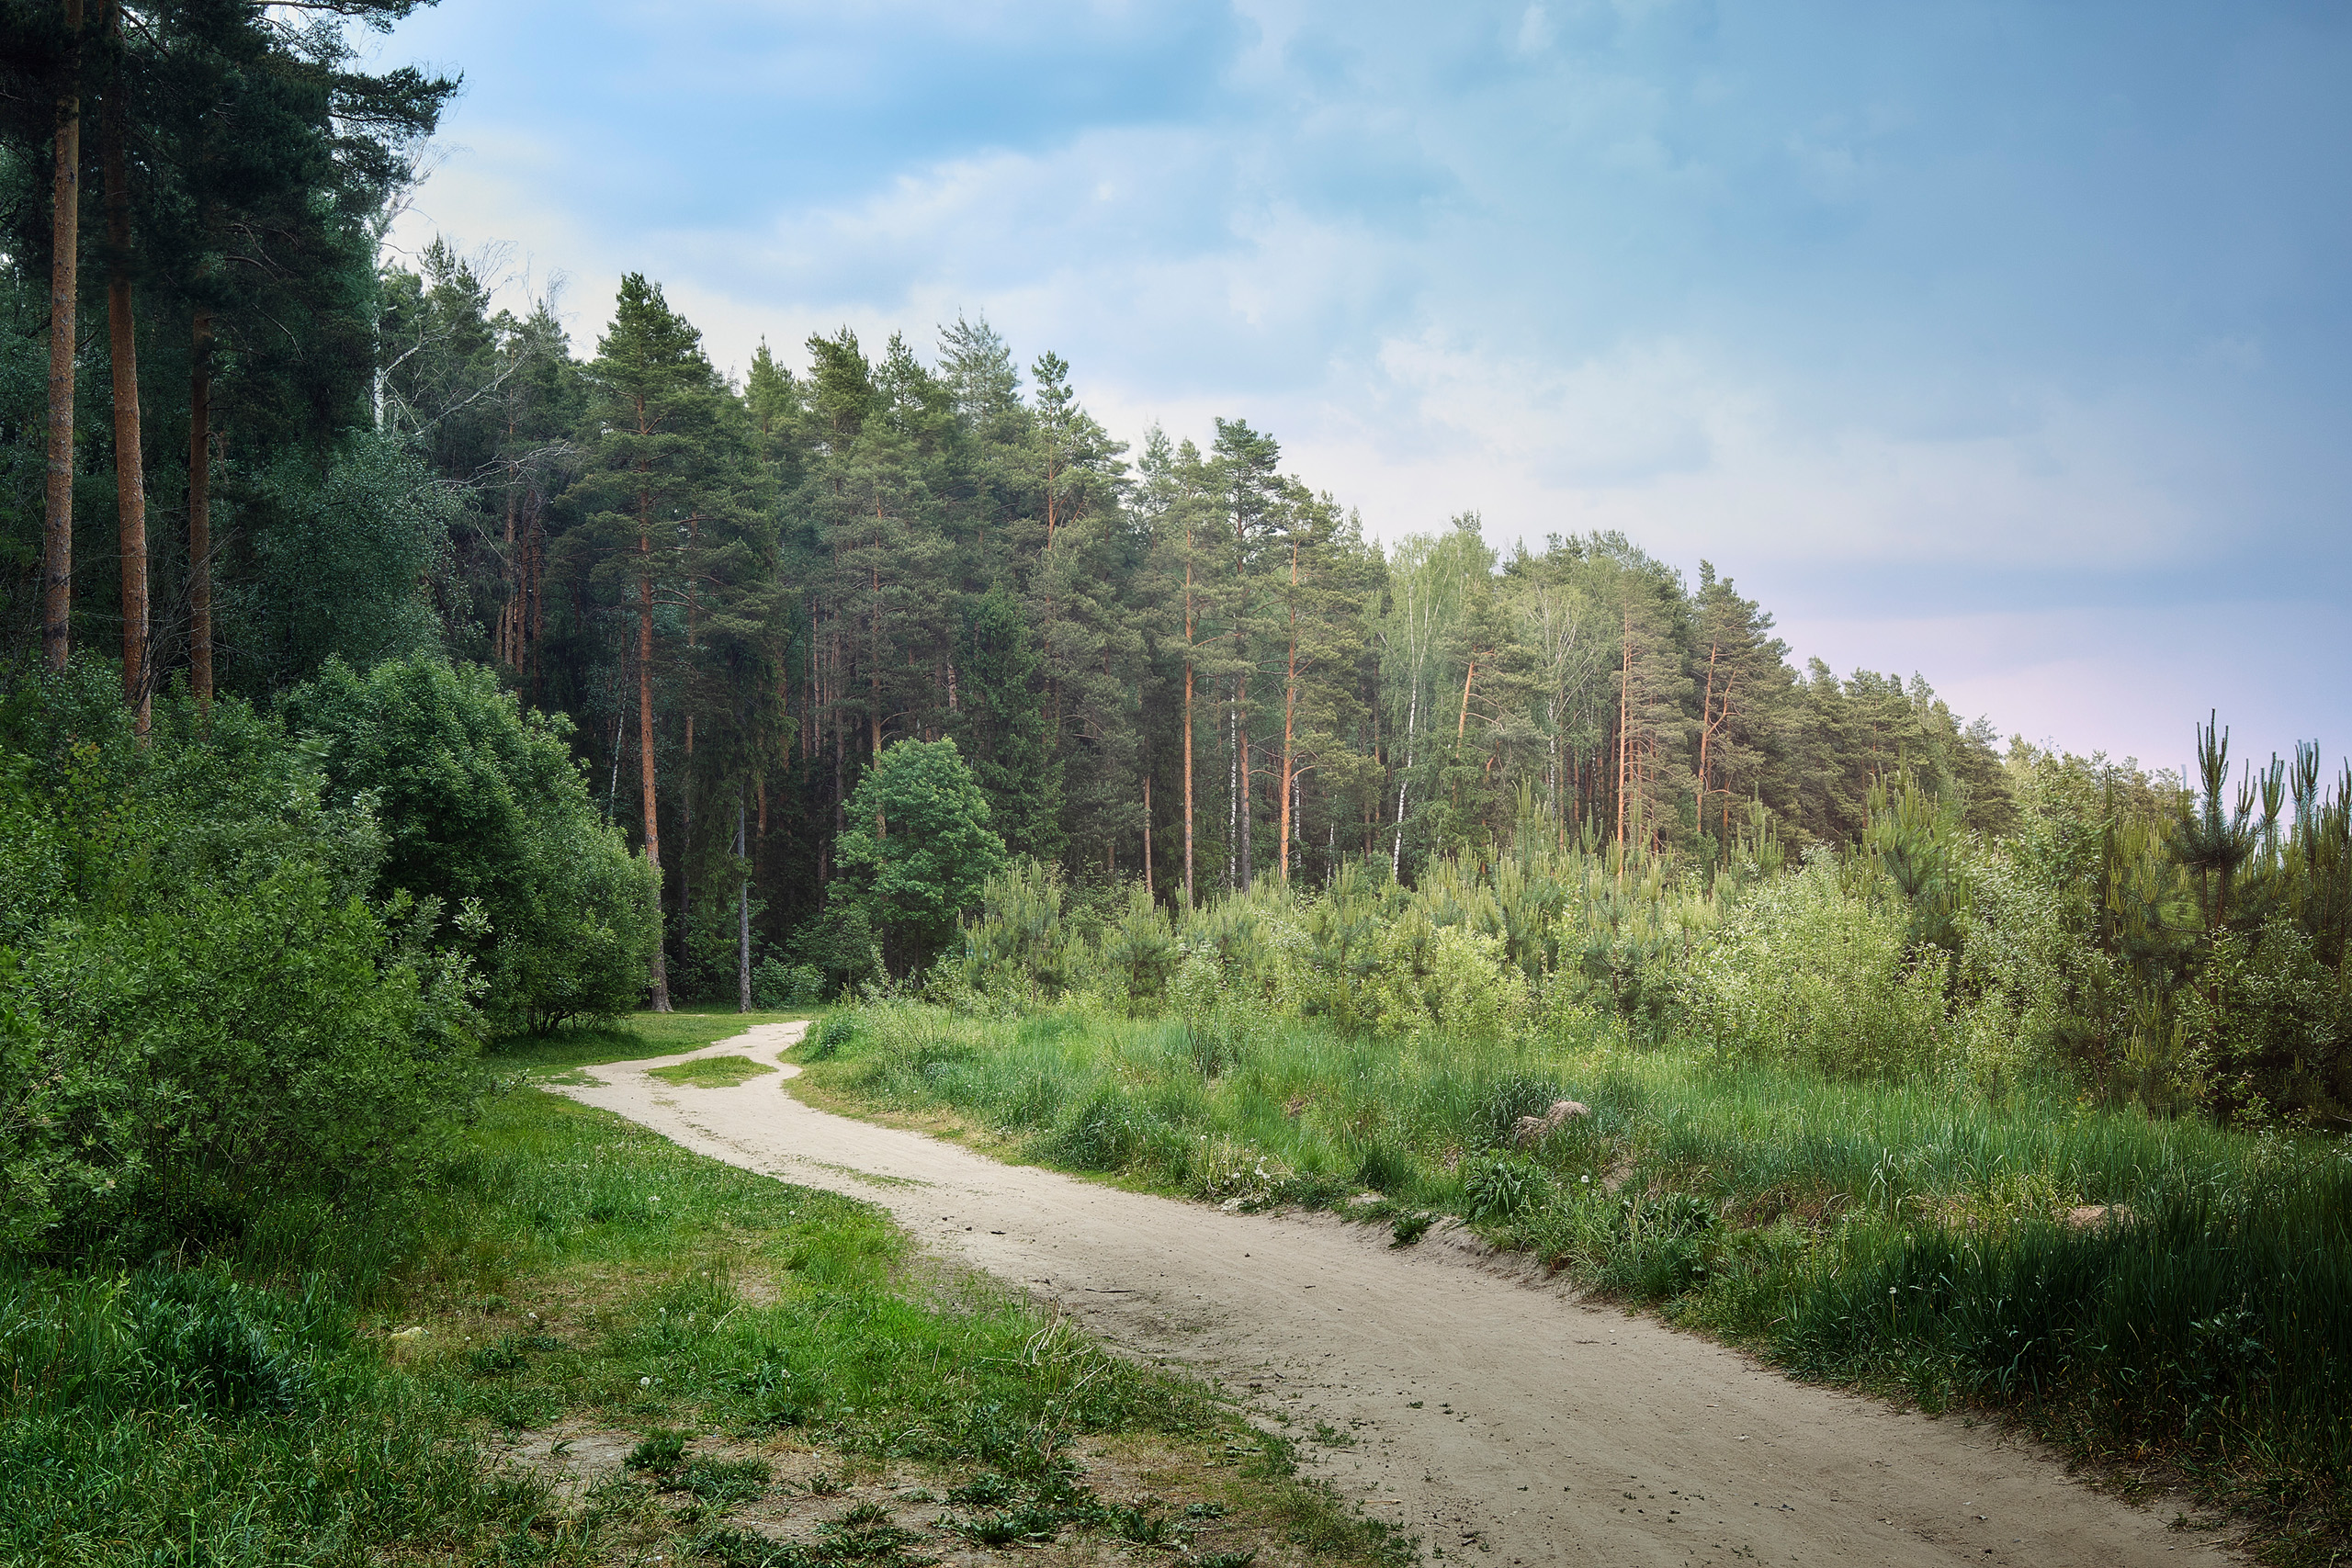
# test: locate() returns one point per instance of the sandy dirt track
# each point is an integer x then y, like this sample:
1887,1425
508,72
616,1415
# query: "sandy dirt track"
1495,1416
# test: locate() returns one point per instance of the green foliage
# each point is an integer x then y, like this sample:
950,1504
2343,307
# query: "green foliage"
1004,726
776,985
200,1015
1139,952
1497,1189
839,947
1019,944
346,550
662,1449
1811,971
484,809
920,849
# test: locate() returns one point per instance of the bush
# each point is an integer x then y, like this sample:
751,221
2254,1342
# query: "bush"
1139,952
1500,1188
483,805
200,1013
776,985
1019,946
1816,970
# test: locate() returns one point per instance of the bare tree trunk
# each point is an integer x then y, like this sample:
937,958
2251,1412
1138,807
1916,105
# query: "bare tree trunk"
536,583
199,513
660,977
742,915
1241,770
122,339
1706,733
1412,717
64,293
1624,690
1147,831
507,646
1188,717
1290,713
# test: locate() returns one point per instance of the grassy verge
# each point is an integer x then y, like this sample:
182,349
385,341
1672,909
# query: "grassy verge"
593,1347
2162,1297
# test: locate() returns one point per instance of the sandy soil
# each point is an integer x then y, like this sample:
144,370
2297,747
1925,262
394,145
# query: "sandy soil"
1491,1413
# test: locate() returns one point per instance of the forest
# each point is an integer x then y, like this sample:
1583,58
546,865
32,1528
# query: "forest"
395,692
1166,658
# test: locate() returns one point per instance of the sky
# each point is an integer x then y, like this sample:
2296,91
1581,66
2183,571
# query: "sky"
2007,343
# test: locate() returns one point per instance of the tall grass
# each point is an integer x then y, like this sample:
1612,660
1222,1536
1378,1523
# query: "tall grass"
2145,1288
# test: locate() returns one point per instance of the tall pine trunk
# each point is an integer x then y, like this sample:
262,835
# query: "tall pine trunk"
199,512
1290,713
1625,694
743,915
1405,778
1242,770
506,647
1188,717
122,339
65,294
661,976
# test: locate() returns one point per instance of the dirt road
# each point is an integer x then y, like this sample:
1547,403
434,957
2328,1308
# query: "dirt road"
1490,1415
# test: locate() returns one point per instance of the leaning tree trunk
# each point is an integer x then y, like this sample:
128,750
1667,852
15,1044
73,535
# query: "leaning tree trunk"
64,292
122,339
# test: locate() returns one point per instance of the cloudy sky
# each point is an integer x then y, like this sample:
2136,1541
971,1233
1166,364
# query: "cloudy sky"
2010,344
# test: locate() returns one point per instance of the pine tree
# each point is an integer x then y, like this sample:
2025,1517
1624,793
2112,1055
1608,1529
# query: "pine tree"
1000,725
655,402
1744,686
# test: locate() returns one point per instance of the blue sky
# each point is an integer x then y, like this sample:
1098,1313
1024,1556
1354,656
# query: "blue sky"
2007,343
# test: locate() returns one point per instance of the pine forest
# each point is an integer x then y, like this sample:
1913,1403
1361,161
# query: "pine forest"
413,699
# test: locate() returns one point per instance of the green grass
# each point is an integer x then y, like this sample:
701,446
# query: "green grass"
711,1072
336,1393
1914,1238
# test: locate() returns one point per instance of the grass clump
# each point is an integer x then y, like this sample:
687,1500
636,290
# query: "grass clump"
711,1072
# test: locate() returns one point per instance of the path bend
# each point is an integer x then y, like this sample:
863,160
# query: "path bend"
1492,1412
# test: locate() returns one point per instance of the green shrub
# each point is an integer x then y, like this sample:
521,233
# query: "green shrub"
1017,946
840,1029
1102,1132
200,1016
484,808
1817,971
776,986
1138,953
